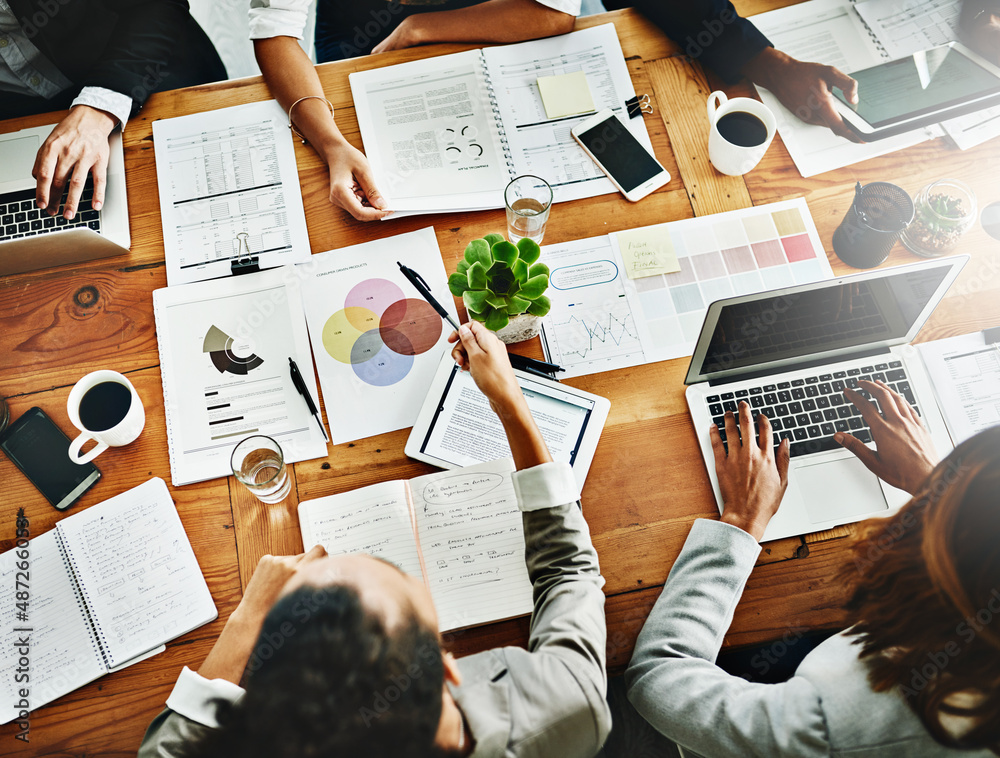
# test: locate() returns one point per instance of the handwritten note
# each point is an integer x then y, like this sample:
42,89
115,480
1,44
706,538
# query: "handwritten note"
647,251
565,94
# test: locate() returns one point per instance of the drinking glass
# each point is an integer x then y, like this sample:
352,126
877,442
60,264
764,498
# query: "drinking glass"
259,465
528,200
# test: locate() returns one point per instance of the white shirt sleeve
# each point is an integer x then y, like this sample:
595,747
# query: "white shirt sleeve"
279,18
546,486
572,7
193,694
107,100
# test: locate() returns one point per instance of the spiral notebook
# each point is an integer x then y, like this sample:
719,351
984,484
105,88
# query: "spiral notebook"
458,531
449,133
103,590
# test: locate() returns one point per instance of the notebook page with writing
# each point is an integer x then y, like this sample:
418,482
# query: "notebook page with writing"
62,652
375,520
472,538
137,572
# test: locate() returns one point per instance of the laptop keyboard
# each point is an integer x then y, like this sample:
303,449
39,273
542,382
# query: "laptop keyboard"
20,217
808,411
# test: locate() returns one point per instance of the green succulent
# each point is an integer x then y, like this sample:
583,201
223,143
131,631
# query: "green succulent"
497,279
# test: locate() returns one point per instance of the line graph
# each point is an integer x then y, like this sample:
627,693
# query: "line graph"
595,335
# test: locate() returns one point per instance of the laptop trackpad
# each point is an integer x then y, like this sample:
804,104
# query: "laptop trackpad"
841,490
17,157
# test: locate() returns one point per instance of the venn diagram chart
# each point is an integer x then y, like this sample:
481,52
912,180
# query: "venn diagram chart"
380,331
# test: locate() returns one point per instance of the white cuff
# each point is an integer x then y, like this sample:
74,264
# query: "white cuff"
277,22
572,7
109,101
193,695
545,486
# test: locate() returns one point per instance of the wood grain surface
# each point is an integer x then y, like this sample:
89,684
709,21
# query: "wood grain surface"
648,482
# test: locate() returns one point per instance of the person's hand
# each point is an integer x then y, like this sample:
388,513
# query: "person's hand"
400,38
352,186
76,147
980,26
479,351
272,573
904,454
752,478
805,88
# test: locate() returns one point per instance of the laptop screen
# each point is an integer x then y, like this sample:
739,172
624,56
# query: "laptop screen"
799,322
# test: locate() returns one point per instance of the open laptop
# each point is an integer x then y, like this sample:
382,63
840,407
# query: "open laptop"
31,239
790,353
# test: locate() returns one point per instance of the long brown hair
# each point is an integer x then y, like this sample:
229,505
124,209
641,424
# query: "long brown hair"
926,600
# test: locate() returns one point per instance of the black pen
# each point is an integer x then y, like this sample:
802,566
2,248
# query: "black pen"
425,292
300,385
524,362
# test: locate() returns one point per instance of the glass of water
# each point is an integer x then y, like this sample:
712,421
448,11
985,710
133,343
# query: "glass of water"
528,199
260,465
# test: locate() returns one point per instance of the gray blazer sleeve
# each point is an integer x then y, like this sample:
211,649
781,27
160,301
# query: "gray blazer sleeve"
167,735
673,680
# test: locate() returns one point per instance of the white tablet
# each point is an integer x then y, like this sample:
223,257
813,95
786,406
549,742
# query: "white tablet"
456,426
920,89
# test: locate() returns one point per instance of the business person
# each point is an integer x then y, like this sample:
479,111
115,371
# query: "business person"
101,59
346,28
345,657
917,672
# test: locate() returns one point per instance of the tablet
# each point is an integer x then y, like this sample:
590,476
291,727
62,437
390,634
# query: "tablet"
921,89
456,426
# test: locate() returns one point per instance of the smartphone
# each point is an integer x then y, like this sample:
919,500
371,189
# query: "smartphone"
917,90
623,159
40,449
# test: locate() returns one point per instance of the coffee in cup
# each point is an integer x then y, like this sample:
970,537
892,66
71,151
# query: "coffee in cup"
105,407
741,130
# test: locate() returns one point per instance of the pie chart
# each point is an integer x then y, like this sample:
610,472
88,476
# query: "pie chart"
379,331
228,355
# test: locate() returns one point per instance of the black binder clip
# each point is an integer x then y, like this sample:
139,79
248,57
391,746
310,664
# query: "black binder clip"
638,105
244,264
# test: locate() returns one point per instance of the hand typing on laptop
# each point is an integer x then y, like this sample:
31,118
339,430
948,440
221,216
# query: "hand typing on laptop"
77,147
904,454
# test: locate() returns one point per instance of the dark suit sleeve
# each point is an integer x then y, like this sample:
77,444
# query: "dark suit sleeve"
710,31
135,60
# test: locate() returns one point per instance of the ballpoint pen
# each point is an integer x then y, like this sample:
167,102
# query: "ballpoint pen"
532,366
425,292
300,385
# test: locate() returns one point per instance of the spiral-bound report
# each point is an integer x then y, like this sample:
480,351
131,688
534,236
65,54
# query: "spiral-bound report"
449,133
108,586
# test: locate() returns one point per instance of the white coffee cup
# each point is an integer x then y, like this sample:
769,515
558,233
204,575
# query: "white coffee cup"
727,157
126,430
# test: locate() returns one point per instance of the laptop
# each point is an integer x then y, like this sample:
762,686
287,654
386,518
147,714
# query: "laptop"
30,239
791,352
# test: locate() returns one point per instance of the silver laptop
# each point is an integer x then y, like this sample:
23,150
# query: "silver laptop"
32,239
790,353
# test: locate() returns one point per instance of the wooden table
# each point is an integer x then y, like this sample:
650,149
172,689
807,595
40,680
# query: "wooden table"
647,483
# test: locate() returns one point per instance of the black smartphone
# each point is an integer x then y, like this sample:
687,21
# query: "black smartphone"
40,449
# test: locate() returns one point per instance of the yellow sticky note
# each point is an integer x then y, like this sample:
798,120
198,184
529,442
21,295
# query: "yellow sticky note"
565,94
648,251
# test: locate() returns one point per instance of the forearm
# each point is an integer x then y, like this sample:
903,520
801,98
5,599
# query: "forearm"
501,21
527,446
229,656
290,76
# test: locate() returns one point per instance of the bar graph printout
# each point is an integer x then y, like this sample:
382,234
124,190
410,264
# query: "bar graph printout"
601,320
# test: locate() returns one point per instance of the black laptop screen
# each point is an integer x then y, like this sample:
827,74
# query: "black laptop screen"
830,318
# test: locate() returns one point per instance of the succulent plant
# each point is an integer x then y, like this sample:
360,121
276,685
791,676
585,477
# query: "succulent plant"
497,279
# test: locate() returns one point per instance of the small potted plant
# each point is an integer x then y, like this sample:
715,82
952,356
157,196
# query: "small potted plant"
503,286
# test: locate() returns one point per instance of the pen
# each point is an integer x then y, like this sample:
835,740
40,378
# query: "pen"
425,292
300,385
523,362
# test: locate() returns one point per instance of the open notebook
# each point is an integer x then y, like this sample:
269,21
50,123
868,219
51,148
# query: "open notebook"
459,531
106,586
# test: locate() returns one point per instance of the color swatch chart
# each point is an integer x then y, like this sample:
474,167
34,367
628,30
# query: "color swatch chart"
601,320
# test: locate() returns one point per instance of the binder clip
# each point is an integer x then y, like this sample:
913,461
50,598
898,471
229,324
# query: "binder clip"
244,264
638,105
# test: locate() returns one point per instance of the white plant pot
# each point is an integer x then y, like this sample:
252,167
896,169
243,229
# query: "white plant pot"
522,327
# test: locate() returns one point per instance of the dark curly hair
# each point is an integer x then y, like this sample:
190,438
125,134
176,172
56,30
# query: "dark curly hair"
327,678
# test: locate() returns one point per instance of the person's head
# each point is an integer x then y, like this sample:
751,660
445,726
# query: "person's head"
926,600
348,663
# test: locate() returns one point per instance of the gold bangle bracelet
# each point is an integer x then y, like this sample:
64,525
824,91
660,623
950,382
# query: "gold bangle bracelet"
291,124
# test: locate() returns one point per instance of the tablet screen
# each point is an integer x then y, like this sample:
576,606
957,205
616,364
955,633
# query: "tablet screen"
465,430
919,84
